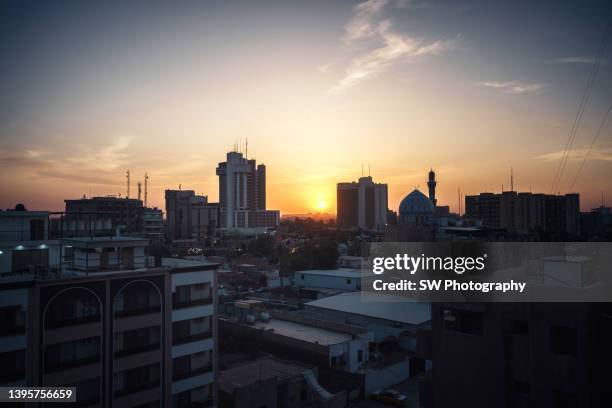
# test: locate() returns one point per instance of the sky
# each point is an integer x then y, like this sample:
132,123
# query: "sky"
321,90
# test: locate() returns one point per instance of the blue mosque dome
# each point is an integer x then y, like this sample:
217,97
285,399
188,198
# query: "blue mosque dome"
416,203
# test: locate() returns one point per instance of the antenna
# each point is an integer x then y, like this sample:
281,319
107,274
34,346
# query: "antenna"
246,150
511,179
369,174
139,189
128,184
459,200
146,183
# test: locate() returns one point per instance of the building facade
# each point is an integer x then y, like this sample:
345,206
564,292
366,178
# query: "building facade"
523,212
362,205
242,194
190,218
124,213
124,333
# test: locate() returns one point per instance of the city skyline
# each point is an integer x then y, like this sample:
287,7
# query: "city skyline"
320,91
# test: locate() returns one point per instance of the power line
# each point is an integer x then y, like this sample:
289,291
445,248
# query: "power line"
586,156
581,107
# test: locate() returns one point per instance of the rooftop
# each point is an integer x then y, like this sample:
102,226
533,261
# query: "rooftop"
178,263
340,272
377,305
303,332
258,370
108,240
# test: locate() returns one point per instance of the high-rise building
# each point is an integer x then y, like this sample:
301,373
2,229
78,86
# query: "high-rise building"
242,194
125,213
153,225
123,330
361,205
190,218
522,212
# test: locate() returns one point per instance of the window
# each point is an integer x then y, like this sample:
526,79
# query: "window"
348,281
302,277
37,230
360,356
464,321
564,340
333,362
521,387
520,327
303,395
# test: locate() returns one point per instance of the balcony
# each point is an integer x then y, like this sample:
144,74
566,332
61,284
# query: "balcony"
191,338
136,388
136,350
72,321
65,365
192,373
137,311
191,303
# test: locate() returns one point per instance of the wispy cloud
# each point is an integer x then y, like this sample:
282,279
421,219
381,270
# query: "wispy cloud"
573,60
109,158
381,46
514,87
599,153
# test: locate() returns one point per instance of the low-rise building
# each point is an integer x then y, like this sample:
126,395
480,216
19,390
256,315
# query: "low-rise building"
341,279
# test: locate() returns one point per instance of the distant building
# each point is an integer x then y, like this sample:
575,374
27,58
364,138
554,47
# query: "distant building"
271,382
124,213
153,225
121,331
524,212
596,225
361,205
190,218
342,279
242,194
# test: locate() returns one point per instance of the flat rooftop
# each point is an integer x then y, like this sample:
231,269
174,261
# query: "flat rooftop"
261,369
340,272
299,331
110,240
186,263
377,305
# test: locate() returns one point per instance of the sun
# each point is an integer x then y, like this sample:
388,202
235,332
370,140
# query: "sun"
321,205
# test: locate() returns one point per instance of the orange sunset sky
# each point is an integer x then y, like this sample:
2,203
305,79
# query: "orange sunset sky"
319,90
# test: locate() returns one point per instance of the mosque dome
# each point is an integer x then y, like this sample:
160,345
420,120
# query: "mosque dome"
416,203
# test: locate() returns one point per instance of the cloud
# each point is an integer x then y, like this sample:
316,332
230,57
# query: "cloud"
573,60
108,158
599,153
381,46
514,87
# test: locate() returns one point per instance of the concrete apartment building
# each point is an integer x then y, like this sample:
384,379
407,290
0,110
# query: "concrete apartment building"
125,213
153,225
124,332
518,355
362,205
242,194
523,212
190,218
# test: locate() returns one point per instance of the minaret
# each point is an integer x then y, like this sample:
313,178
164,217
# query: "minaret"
432,187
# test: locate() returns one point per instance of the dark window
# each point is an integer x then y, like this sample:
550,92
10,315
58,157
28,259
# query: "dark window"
562,399
564,340
13,366
11,320
521,387
520,327
303,395
37,230
360,356
333,361
464,321
348,281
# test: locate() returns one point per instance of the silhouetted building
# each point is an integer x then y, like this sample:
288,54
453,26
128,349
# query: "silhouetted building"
361,205
596,225
242,194
124,213
153,225
190,218
517,355
524,212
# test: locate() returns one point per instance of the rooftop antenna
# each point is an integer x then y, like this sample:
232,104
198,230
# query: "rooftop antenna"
139,190
146,184
511,179
459,199
179,186
246,149
128,184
